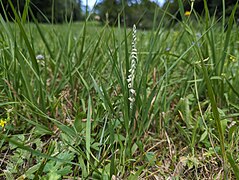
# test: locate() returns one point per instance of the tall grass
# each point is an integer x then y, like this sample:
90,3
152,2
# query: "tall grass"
69,115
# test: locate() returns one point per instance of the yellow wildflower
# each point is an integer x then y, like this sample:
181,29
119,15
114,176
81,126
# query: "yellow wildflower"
187,13
232,58
3,122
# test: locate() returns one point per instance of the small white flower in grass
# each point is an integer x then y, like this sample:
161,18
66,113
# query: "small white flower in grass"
168,49
131,99
40,57
132,91
132,69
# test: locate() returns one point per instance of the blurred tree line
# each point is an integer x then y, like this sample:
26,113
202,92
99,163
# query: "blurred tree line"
215,7
55,11
142,12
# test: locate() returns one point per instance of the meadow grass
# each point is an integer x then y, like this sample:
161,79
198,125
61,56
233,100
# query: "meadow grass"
68,115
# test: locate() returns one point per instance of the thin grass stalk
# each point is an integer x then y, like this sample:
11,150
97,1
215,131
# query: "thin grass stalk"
35,65
234,165
127,67
25,12
227,40
215,113
41,34
213,103
88,134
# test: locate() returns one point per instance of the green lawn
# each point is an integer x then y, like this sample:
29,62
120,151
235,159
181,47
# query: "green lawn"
68,114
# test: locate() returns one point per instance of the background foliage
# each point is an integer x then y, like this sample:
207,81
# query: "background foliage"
142,12
56,11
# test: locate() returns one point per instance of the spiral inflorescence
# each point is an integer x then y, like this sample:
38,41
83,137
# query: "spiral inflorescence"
132,69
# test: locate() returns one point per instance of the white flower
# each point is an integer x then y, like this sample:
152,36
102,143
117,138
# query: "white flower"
132,91
132,70
40,57
131,99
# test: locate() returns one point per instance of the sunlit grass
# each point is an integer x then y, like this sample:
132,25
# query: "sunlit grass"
68,114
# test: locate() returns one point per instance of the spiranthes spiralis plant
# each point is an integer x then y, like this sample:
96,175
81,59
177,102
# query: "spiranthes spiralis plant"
132,70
